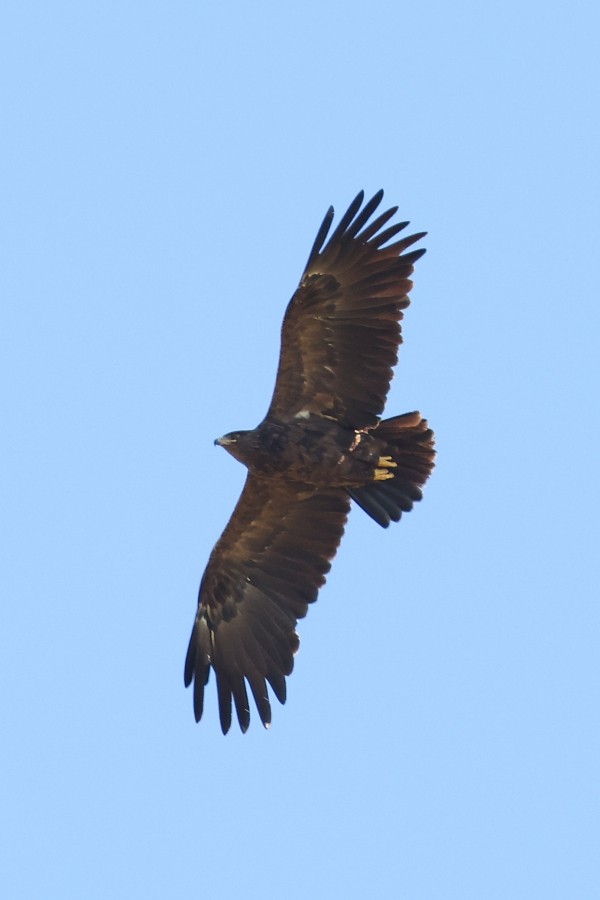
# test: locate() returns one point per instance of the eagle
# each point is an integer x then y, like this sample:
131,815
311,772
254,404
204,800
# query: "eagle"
321,445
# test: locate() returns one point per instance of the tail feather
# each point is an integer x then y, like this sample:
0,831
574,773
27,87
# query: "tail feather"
409,441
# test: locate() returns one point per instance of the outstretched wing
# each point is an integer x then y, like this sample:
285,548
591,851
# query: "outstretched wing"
341,331
265,569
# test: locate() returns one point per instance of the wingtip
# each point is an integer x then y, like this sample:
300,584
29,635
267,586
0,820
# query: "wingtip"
414,255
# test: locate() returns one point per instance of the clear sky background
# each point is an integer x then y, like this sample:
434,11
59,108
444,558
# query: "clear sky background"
164,169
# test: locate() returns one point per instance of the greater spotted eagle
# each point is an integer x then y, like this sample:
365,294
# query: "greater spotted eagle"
321,445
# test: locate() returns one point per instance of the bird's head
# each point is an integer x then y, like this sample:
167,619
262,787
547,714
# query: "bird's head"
226,440
234,443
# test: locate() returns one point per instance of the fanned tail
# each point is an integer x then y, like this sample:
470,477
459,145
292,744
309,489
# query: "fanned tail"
409,441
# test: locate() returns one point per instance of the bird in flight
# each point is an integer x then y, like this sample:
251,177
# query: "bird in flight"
321,444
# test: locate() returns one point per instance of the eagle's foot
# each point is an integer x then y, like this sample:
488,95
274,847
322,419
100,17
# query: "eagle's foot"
387,462
382,475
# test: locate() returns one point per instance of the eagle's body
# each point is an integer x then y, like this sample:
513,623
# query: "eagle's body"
321,444
314,452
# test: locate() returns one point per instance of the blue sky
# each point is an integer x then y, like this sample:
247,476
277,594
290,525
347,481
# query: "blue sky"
164,168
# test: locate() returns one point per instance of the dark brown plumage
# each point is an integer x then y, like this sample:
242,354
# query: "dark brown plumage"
320,444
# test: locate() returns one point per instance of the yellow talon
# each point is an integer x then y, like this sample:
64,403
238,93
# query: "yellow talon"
387,461
383,474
